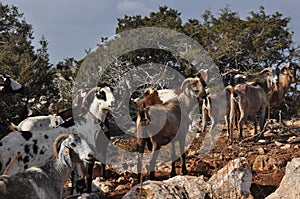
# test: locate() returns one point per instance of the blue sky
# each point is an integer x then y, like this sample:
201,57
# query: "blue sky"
71,26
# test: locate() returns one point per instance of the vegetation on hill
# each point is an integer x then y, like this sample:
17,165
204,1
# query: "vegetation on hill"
257,41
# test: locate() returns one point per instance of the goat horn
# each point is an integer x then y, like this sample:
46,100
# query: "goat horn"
185,84
265,70
55,143
287,65
233,71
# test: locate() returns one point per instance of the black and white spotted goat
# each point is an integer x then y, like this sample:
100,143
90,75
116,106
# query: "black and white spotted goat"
47,181
34,147
9,85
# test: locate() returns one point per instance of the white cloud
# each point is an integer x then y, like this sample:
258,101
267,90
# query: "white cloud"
130,5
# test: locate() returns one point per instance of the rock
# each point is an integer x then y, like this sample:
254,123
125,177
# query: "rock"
279,144
293,139
232,181
265,163
120,187
176,187
85,196
261,151
122,180
286,146
104,186
89,196
289,186
200,167
292,124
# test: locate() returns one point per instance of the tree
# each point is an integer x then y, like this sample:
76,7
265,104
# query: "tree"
19,60
256,42
15,41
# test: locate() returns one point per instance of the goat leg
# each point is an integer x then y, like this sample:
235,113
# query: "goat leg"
183,156
204,119
141,146
173,158
153,159
89,176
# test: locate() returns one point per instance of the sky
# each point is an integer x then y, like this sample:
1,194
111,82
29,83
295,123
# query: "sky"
73,26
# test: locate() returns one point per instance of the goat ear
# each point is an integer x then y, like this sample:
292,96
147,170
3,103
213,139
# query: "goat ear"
64,156
88,98
76,99
285,67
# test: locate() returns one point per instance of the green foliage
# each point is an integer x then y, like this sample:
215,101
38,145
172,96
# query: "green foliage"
257,41
260,40
19,60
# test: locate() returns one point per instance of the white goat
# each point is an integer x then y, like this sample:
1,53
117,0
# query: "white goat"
40,123
215,107
47,181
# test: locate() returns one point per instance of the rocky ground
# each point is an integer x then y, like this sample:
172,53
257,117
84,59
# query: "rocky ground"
267,158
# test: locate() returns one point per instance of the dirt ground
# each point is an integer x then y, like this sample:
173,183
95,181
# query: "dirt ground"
277,146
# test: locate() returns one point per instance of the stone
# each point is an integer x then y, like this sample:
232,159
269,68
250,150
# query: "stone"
120,187
265,163
290,183
286,146
176,187
293,139
261,151
232,181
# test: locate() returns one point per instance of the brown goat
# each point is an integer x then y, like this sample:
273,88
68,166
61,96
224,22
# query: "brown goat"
277,90
287,76
167,123
249,100
150,98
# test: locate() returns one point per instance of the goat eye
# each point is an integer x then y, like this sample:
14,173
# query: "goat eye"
101,95
73,144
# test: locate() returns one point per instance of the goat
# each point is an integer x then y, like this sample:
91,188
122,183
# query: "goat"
34,148
286,77
93,119
167,94
215,106
248,100
47,181
9,85
40,123
175,114
151,97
